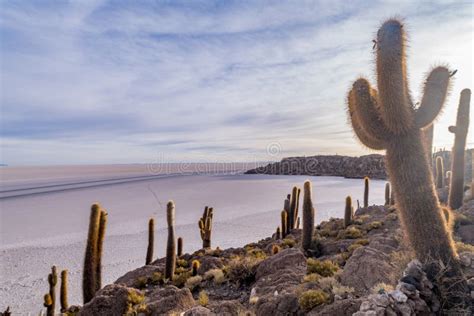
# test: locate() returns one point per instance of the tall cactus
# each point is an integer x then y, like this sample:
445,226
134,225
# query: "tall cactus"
63,293
284,222
297,206
180,246
291,214
387,193
308,216
52,281
151,241
366,191
205,226
387,119
278,233
439,172
100,247
348,212
89,278
456,188
171,243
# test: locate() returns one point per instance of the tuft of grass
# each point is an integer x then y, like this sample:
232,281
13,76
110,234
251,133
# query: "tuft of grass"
311,278
193,282
203,298
363,242
381,288
350,233
374,225
141,282
328,283
392,217
180,279
462,247
312,298
217,275
353,247
324,268
257,253
242,269
342,290
288,243
181,263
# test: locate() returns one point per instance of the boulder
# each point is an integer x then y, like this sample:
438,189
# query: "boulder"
132,278
229,308
291,258
112,300
367,267
169,300
199,311
344,307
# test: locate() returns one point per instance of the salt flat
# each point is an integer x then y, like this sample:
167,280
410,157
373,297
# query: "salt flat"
42,229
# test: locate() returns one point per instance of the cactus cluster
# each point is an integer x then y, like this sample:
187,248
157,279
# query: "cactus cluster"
456,187
308,216
151,241
205,227
91,279
171,243
387,119
50,297
292,209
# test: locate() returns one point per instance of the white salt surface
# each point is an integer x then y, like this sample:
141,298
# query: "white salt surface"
42,229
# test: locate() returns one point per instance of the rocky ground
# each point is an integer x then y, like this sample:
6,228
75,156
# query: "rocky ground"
364,269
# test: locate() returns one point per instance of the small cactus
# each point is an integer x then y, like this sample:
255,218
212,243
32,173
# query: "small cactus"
195,267
366,192
308,216
205,227
275,249
348,212
456,188
151,241
284,222
387,193
180,246
63,296
48,303
171,243
278,233
439,173
92,273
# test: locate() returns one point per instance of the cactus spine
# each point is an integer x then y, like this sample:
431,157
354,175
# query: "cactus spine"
366,192
171,243
439,173
63,296
456,188
151,241
180,246
387,193
388,120
308,216
348,212
205,227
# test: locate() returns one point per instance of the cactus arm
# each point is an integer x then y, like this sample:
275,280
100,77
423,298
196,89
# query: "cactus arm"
366,139
396,107
365,106
434,95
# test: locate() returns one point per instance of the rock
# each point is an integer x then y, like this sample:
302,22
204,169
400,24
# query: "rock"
466,232
208,263
288,258
132,278
198,311
367,267
398,296
169,300
112,300
229,308
280,305
344,307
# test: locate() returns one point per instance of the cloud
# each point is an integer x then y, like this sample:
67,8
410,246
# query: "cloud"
204,79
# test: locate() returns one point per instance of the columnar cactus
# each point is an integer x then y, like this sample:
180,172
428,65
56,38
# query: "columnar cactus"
447,181
308,216
63,293
100,246
366,192
456,188
48,303
180,246
387,193
205,227
284,223
387,119
151,241
91,260
439,172
52,281
291,214
297,207
348,212
278,233
171,243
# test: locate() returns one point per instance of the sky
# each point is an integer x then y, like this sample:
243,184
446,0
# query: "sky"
94,82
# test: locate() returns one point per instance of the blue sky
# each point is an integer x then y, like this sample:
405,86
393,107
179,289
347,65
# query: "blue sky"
131,81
